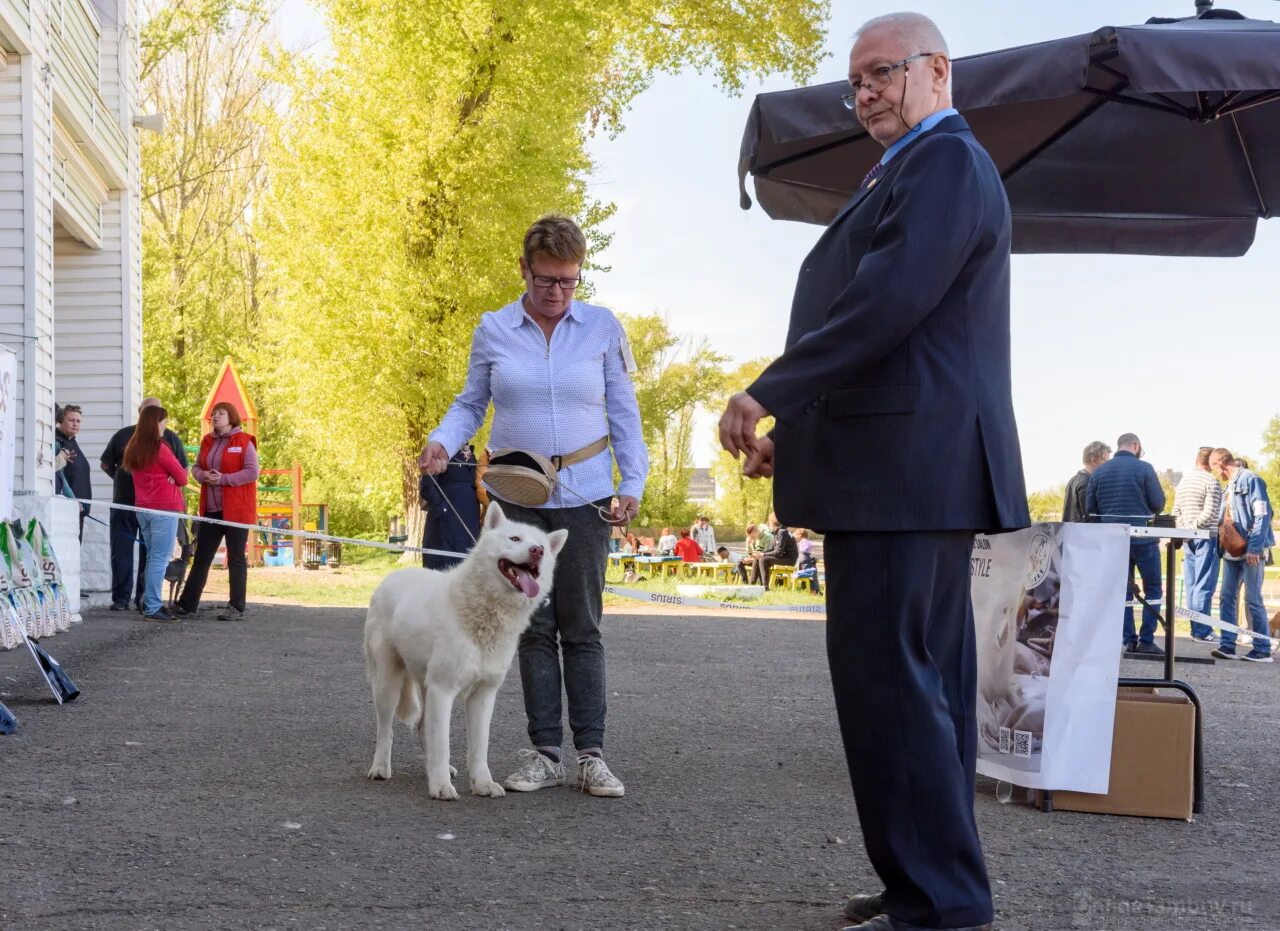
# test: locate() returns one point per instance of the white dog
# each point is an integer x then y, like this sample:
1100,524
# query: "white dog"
452,633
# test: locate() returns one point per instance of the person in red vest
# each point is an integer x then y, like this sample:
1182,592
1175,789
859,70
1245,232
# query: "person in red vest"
227,470
687,548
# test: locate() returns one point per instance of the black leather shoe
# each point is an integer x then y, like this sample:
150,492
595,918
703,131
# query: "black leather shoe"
889,923
119,606
178,610
1150,649
864,907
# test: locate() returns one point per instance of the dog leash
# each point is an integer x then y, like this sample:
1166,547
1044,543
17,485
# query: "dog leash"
456,512
605,514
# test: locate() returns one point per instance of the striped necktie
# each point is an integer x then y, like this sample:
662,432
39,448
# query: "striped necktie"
871,175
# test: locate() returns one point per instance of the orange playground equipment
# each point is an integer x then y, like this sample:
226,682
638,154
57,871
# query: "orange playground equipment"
290,514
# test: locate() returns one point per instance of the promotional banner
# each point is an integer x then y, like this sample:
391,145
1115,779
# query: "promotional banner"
8,428
1048,605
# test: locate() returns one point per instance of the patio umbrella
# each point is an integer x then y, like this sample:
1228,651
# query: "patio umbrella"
1158,139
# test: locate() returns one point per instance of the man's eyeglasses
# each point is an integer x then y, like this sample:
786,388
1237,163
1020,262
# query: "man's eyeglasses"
566,284
877,79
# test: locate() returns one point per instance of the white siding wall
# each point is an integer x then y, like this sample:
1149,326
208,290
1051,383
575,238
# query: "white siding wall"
11,226
35,420
90,367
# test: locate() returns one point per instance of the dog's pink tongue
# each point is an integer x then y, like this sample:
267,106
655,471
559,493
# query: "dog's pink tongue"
528,584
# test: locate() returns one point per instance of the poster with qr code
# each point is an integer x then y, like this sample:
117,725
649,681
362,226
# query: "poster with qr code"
1048,603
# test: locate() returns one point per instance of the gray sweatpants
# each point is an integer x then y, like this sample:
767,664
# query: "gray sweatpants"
567,624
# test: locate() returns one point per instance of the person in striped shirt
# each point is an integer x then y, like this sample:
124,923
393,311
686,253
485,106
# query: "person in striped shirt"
1196,506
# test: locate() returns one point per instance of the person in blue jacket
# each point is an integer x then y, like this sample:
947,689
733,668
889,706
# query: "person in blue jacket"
453,510
1125,490
1249,505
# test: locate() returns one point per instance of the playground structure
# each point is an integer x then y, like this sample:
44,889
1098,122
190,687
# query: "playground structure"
291,514
273,550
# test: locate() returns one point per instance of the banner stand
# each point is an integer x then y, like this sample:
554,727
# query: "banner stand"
1175,536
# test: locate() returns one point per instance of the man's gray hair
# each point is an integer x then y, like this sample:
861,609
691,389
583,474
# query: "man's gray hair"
1096,452
1128,439
918,32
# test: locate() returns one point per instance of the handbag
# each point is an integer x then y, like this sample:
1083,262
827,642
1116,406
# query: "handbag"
1230,540
528,478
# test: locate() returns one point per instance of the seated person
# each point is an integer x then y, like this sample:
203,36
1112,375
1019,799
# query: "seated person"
723,555
687,548
805,559
666,542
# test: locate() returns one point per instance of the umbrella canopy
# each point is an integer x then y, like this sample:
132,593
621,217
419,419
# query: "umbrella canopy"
1159,139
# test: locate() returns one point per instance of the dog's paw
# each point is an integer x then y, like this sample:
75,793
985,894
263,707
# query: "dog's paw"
380,771
445,792
488,789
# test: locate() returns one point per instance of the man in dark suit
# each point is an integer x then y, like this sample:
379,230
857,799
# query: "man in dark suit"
895,436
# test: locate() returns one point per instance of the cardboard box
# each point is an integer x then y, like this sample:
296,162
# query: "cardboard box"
1152,759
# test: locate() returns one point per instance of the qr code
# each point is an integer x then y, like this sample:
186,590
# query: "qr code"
1006,740
1022,743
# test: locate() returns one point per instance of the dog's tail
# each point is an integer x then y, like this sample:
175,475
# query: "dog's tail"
410,707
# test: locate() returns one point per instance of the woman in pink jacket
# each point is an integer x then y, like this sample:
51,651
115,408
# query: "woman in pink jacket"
158,481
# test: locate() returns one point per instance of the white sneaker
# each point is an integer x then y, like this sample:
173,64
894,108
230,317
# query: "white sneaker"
538,771
594,777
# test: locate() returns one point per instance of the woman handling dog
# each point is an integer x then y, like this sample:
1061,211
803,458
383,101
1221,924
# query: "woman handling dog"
558,373
227,470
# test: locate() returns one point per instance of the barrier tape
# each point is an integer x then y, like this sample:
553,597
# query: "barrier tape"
634,594
1211,621
638,594
259,528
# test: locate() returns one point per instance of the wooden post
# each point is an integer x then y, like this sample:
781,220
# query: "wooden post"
296,494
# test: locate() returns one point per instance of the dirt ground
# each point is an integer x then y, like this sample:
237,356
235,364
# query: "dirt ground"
212,775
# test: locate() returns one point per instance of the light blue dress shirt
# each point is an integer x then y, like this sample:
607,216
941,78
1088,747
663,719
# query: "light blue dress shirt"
926,124
554,397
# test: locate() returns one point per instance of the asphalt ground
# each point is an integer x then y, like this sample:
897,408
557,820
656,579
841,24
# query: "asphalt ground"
212,775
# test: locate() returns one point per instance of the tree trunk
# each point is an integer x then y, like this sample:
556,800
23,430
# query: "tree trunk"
415,519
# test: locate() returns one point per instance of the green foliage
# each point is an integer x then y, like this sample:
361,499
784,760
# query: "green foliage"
1269,464
200,178
403,175
1046,504
741,500
674,378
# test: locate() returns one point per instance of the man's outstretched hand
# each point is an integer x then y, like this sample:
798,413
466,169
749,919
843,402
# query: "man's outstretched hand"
759,463
738,434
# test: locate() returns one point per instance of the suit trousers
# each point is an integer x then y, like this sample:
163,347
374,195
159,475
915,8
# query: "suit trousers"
900,642
124,534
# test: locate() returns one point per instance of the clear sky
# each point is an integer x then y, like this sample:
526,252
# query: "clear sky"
1101,344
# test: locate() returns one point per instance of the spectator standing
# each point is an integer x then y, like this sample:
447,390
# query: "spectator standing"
782,552
158,481
227,470
450,527
124,524
1197,503
687,548
1125,490
1249,506
705,535
1074,506
72,477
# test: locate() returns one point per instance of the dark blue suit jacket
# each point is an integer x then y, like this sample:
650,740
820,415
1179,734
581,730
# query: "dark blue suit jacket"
893,398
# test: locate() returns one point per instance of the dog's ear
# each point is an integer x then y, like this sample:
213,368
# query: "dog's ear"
556,539
493,516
